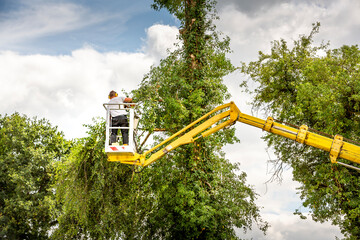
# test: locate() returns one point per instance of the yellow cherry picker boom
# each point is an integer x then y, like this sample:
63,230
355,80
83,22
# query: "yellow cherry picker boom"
222,117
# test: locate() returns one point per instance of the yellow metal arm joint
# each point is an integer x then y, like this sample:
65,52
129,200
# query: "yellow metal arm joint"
336,148
142,159
268,124
301,135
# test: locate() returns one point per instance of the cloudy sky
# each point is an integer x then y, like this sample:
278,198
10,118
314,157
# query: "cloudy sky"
60,58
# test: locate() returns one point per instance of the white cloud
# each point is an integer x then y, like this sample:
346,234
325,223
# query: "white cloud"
286,226
70,89
252,33
160,38
341,23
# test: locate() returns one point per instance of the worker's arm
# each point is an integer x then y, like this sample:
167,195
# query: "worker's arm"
128,100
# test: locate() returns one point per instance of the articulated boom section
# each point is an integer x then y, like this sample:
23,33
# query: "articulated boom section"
226,115
337,147
220,117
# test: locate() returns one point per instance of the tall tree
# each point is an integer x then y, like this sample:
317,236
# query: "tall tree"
197,193
299,86
28,150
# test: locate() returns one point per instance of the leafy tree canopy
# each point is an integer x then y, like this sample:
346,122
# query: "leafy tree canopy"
100,199
197,193
319,87
28,150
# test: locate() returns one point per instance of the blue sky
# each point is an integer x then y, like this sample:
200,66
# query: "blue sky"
59,60
105,25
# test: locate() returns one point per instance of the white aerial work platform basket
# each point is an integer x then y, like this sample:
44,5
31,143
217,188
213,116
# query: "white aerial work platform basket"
116,151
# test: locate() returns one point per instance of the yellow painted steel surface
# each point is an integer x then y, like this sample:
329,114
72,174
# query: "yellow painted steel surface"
337,147
226,115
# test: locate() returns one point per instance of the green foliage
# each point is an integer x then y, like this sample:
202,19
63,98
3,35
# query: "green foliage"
193,193
166,90
98,197
197,195
28,150
299,86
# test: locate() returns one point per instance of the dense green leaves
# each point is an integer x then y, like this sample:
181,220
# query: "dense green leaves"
318,87
199,197
197,194
100,199
28,149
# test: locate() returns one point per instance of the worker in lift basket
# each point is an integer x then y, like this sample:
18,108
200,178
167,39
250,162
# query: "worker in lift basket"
118,118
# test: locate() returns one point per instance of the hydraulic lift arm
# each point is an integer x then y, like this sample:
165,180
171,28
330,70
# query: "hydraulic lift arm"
226,115
337,146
